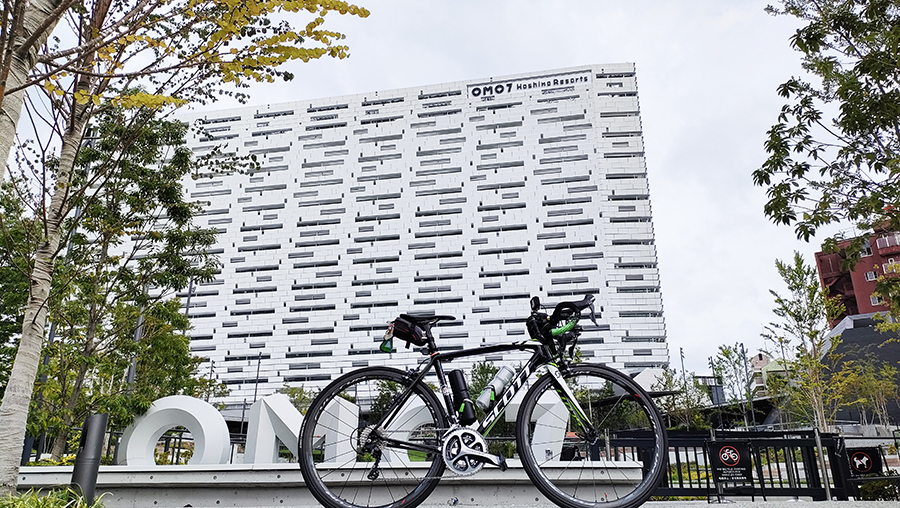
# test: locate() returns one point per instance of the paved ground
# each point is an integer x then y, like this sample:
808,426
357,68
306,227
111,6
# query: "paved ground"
731,503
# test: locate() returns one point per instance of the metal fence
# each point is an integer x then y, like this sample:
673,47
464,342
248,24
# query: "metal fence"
783,464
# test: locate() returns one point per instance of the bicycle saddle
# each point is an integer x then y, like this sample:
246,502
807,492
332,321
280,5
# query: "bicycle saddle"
428,320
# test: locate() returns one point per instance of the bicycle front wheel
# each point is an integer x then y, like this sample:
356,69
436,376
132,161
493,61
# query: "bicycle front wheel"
617,461
365,444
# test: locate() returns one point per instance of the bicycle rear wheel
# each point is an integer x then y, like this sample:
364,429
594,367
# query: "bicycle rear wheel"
619,465
348,460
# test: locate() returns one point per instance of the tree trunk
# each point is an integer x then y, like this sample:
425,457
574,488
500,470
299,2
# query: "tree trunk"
35,13
68,412
17,398
59,443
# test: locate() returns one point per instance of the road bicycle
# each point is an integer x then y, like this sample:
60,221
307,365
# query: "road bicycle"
382,437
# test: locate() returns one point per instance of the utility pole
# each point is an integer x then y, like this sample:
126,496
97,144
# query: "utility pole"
687,422
138,335
256,385
720,400
749,384
209,385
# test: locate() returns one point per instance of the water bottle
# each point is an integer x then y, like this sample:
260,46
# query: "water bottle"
461,397
495,387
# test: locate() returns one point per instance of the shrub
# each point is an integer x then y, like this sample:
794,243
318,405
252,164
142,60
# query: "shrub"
880,490
63,498
66,460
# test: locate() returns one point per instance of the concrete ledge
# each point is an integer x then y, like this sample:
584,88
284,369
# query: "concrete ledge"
278,485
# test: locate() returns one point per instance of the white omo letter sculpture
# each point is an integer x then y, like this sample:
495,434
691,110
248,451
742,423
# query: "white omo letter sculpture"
212,443
274,418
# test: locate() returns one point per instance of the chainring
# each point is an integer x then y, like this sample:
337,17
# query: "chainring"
458,444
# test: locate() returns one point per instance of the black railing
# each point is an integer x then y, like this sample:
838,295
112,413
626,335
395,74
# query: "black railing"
784,463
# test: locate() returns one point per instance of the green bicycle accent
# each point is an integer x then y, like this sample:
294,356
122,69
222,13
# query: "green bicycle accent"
580,418
564,328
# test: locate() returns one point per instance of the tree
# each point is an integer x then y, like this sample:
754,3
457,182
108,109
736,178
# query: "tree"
387,390
25,27
13,282
730,366
481,374
235,39
812,389
823,170
183,56
820,171
870,386
162,361
300,396
136,232
683,409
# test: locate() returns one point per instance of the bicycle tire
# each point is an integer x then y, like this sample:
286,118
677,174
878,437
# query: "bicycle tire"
560,459
335,468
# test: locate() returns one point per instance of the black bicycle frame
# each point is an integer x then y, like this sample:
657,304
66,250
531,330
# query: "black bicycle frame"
539,358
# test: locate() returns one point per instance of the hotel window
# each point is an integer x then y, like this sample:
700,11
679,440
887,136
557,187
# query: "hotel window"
870,276
866,249
876,300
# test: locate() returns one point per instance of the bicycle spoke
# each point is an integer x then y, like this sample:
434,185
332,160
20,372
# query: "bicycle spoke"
348,462
563,457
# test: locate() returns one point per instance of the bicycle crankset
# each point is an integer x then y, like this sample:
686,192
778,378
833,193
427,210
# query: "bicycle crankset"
465,452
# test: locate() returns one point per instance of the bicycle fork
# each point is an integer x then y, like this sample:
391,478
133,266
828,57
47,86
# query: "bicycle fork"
568,398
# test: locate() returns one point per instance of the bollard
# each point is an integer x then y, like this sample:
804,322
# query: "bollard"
87,460
26,450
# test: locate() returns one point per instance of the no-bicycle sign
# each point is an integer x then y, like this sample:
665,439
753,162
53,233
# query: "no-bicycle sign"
730,461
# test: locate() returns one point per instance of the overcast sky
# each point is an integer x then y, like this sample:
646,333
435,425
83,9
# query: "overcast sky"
707,74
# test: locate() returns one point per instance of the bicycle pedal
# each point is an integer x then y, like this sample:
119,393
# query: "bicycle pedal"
502,463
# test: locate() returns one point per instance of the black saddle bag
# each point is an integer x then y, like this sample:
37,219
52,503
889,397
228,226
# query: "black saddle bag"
406,330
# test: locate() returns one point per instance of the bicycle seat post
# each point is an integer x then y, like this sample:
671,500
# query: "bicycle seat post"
432,347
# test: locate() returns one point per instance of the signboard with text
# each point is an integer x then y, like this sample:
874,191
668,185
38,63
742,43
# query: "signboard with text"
545,84
731,461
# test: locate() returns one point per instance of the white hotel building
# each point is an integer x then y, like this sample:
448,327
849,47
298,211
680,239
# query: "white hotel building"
461,198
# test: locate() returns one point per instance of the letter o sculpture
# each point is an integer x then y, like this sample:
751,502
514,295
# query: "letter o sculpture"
212,444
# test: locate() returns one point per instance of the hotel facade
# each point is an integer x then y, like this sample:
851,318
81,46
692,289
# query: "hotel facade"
463,198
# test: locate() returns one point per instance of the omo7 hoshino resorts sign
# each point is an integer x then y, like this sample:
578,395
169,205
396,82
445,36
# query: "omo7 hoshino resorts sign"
546,84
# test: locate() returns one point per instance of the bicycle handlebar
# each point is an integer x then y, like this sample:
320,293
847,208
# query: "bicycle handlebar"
564,318
565,309
569,312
